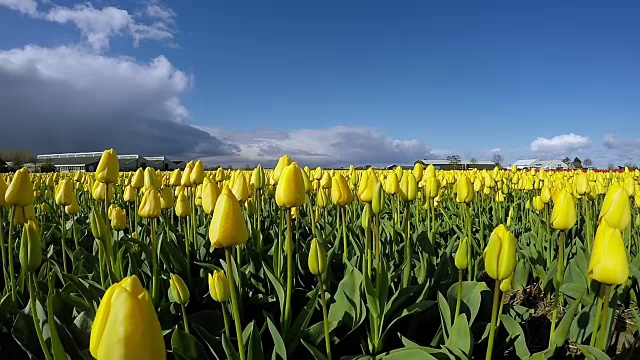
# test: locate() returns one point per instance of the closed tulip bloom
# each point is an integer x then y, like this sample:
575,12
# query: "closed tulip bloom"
563,216
176,178
219,286
629,185
408,187
432,187
3,191
399,172
365,187
418,170
100,190
179,289
227,225
166,198
616,208
545,194
150,179
317,258
183,208
290,191
186,175
582,184
510,216
240,187
197,173
108,167
258,179
283,162
365,219
608,263
321,197
23,214
506,284
137,181
150,204
462,255
378,201
500,254
308,185
20,190
129,194
392,184
118,219
325,182
73,208
430,171
99,228
210,193
64,193
499,196
538,204
126,326
464,189
112,208
30,247
478,185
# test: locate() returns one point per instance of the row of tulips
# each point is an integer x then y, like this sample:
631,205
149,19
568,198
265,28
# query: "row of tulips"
317,263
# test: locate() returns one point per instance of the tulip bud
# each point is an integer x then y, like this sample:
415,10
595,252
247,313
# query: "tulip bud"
150,179
616,208
219,286
166,198
30,247
391,184
462,255
499,196
563,216
538,204
308,185
64,193
608,263
545,194
509,217
500,254
317,258
464,190
20,190
210,193
182,206
432,187
290,191
150,204
98,226
418,169
239,187
341,194
73,208
582,184
258,178
179,289
197,174
367,213
100,190
186,175
129,194
408,187
118,219
137,181
23,214
629,185
365,187
3,190
430,171
378,201
126,325
227,227
108,167
506,284
321,198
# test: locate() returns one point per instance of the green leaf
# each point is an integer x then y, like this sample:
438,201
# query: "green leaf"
409,354
563,328
348,306
280,349
461,337
315,352
302,321
445,315
186,346
277,285
516,336
56,346
231,352
472,296
255,343
592,353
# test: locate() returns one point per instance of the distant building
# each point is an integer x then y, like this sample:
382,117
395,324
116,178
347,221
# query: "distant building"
463,164
541,164
88,162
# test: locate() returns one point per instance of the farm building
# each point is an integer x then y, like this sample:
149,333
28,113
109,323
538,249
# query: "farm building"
88,162
541,164
460,165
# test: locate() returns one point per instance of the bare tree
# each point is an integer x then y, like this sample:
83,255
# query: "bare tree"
473,161
587,162
454,160
497,159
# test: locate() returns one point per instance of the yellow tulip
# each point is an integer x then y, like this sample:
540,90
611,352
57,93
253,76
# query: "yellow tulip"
73,208
20,190
197,173
408,187
317,258
321,197
545,194
582,184
166,198
341,194
608,263
391,184
118,219
432,187
108,167
137,181
219,286
179,289
30,247
430,171
506,284
462,255
290,191
616,208
325,182
183,209
3,191
283,162
186,175
129,194
378,201
258,178
629,185
240,187
99,190
150,204
500,254
464,189
563,215
366,185
538,204
64,193
23,214
176,178
126,325
210,193
227,225
150,179
418,170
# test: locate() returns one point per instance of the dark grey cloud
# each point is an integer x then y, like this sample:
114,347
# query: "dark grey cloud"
67,99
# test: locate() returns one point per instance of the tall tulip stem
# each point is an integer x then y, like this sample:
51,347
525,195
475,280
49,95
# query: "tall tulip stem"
154,262
345,254
184,318
602,338
2,250
325,319
559,279
34,315
459,300
594,333
64,245
406,273
290,269
225,314
11,283
494,317
234,301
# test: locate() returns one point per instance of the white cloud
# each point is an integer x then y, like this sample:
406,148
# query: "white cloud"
82,101
334,146
99,26
28,7
560,143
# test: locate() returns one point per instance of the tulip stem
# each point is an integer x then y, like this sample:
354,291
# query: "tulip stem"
345,254
459,299
559,279
34,315
225,314
500,310
325,319
594,333
494,316
11,283
75,233
4,254
154,262
184,318
605,313
406,274
234,302
290,269
64,245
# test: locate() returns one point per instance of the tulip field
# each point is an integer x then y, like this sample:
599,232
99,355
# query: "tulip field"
302,263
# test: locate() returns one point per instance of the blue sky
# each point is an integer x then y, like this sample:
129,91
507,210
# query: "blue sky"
333,82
